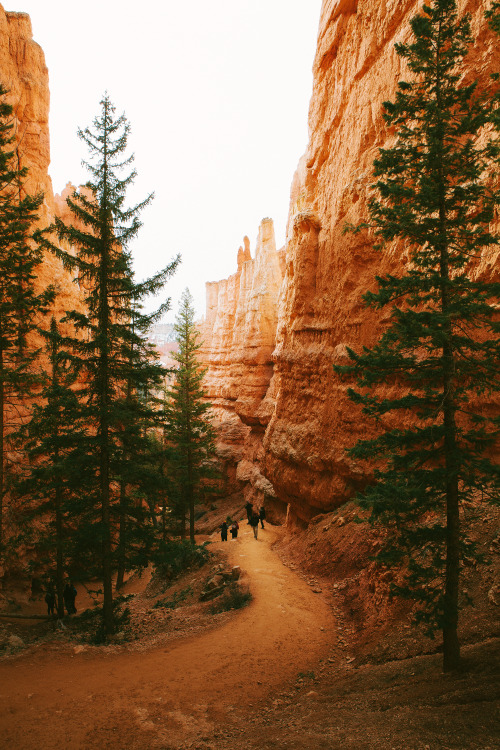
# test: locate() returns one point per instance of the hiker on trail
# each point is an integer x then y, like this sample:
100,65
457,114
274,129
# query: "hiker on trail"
249,510
223,531
50,599
69,596
254,523
262,515
234,529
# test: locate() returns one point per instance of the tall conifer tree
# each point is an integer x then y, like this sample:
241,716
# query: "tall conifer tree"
22,304
110,345
437,194
141,478
189,430
55,482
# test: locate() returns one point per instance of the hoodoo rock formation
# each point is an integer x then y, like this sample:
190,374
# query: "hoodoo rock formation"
238,341
321,312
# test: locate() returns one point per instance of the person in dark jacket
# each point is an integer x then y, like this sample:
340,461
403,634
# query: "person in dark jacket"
249,510
254,523
223,531
69,596
50,599
234,529
262,515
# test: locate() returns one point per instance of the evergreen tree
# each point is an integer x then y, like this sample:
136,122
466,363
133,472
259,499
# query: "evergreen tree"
56,477
21,304
189,430
112,352
141,477
437,194
493,15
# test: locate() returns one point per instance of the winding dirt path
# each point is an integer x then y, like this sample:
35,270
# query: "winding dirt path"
173,695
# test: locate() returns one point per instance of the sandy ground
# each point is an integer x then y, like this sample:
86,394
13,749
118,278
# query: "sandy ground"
177,695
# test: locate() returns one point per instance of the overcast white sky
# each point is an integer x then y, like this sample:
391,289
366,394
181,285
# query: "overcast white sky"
217,94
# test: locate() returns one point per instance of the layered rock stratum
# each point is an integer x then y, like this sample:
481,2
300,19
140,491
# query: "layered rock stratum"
238,336
320,312
24,74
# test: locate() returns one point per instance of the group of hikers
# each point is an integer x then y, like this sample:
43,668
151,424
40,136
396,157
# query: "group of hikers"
69,592
253,520
233,527
69,597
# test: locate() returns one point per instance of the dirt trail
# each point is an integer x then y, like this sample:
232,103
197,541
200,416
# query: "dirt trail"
168,697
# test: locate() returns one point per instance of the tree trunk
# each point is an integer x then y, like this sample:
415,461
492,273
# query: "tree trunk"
190,483
122,532
451,646
58,497
183,516
107,572
190,493
2,450
191,516
164,520
103,379
59,554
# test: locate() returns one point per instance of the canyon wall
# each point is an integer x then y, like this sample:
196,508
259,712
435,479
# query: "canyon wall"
283,418
25,76
321,312
238,337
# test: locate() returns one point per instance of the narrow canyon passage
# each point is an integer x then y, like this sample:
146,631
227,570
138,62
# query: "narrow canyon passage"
165,696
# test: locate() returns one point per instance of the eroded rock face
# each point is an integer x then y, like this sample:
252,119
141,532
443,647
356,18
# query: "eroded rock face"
25,75
321,312
239,339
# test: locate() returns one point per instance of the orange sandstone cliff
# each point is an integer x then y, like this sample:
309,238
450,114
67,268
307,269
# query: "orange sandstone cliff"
238,337
320,313
25,75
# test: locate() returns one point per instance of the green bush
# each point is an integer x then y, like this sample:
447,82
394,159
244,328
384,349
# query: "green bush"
174,557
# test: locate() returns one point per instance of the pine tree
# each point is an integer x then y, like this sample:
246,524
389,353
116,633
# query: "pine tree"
109,342
22,306
141,478
189,430
437,194
493,15
55,481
